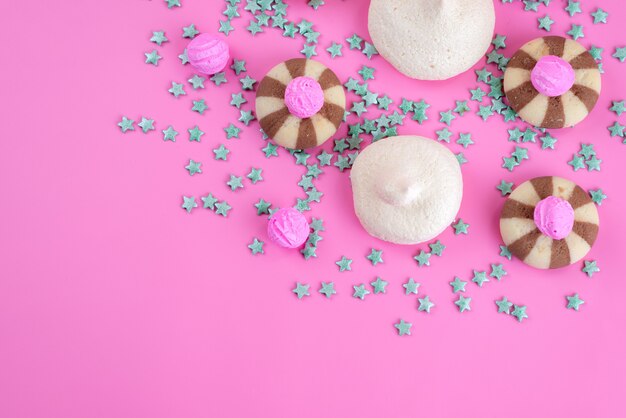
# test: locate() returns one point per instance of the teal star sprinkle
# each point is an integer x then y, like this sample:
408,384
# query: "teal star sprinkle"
577,162
309,50
197,82
596,52
458,285
238,66
529,136
597,196
446,117
617,129
515,135
344,264
618,107
325,158
193,167
375,256
256,247
262,207
177,89
153,57
545,23
184,59
444,135
504,306
461,107
463,303
477,94
237,100
505,187
498,41
548,141
465,140
574,302
225,27
599,16
404,328
497,271
221,152
358,108
360,291
289,30
530,5
315,4
158,37
437,248
222,208
484,112
576,32
199,106
460,227
169,134
519,312
328,289
504,252
235,182
189,203
423,258
587,151
146,124
354,41
593,164
195,134
172,3
247,83
379,285
510,163
384,102
483,75
520,153
591,268
246,116
126,124
255,175
208,202
460,157
190,31
304,26
369,50
425,305
335,50
232,131
573,7
301,290
270,150
411,287
366,73
480,278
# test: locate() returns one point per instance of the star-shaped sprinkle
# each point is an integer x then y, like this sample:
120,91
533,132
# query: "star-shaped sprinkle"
529,136
315,4
545,23
238,66
232,131
574,302
369,50
505,187
225,27
425,304
197,82
446,117
498,41
256,247
172,3
591,268
483,75
199,106
599,16
458,285
480,278
301,290
235,182
169,134
270,150
444,135
190,31
328,289
423,258
411,286
384,102
193,167
461,107
504,252
504,306
246,117
158,37
146,124
354,41
221,152
485,112
177,89
208,201
219,78
576,32
195,134
437,248
126,124
375,256
465,140
255,175
309,50
497,271
367,73
530,5
460,157
262,207
247,83
184,58
520,153
463,303
577,162
153,57
548,141
344,264
618,107
404,328
573,7
222,208
597,196
519,312
335,50
617,129
360,291
379,285
593,164
460,227
189,203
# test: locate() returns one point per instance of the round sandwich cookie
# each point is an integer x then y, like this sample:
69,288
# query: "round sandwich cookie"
552,82
432,39
406,189
300,103
549,222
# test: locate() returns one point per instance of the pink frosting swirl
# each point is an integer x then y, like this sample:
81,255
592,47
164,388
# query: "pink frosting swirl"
554,217
208,53
304,97
288,228
552,76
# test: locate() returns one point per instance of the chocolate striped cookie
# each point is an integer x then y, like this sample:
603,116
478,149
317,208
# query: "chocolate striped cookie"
552,82
300,103
521,229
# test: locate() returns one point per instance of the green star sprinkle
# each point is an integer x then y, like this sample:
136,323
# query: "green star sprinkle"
354,41
231,12
126,124
262,207
596,52
221,152
193,167
255,175
591,268
437,248
189,203
577,162
237,100
504,306
597,196
256,247
360,291
328,289
304,26
480,278
497,271
232,131
309,50
222,208
593,164
184,59
515,135
576,32
169,134
425,304
404,328
520,153
617,129
246,116
483,75
270,150
324,158
461,107
498,42
158,37
510,163
505,188
519,312
219,78
477,94
618,108
463,303
460,157
545,23
301,290
344,264
484,112
252,6
172,3
153,57
247,83
375,256
446,117
574,302
458,285
369,50
573,7
465,140
379,285
423,258
199,106
208,202
235,182
530,5
504,252
444,135
195,134
146,124
289,30
226,27
587,151
177,89
411,286
384,102
197,82
335,50
548,141
315,4
190,31
460,227
529,136
367,73
599,16
238,66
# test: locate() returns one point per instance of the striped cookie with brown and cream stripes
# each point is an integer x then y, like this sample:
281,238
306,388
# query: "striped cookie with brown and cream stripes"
286,128
524,239
561,111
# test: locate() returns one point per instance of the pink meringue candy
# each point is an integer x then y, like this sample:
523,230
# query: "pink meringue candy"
552,76
208,53
554,217
288,228
304,97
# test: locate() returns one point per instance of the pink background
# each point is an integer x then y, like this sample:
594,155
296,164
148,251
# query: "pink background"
114,302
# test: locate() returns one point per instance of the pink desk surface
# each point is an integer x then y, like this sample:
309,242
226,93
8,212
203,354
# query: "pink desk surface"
114,302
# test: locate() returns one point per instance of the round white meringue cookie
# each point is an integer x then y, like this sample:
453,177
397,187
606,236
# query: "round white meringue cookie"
432,39
406,189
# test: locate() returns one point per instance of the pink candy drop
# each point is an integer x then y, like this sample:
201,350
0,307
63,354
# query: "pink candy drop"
208,53
288,228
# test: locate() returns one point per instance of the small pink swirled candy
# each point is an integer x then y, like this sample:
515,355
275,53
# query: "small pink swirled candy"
552,76
288,228
554,217
304,97
208,53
